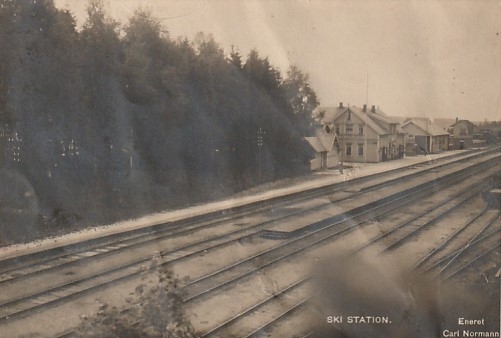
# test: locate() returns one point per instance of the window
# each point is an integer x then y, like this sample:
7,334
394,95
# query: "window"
337,130
349,129
462,131
361,129
360,149
348,149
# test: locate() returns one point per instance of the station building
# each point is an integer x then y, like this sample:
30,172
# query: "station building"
363,135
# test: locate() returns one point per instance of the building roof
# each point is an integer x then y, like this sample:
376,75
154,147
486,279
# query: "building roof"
315,144
322,142
331,113
440,122
384,121
427,127
377,121
467,122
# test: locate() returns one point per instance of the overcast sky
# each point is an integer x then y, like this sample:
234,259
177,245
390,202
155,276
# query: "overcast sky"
432,58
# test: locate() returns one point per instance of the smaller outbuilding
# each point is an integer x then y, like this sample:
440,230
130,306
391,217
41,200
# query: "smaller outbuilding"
425,137
462,133
326,151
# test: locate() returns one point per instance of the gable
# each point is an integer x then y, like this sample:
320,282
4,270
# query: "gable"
348,117
413,129
463,123
355,117
331,113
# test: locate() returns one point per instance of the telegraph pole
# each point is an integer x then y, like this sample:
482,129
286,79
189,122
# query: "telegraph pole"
260,142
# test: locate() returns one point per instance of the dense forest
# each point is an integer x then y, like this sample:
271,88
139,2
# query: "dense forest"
110,121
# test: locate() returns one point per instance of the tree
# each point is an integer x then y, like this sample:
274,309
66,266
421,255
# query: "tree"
100,59
262,73
235,58
301,98
100,37
145,57
9,14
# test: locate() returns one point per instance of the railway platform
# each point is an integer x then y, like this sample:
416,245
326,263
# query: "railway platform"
263,193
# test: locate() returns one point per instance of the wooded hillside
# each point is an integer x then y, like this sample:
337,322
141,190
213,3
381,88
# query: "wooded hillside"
111,121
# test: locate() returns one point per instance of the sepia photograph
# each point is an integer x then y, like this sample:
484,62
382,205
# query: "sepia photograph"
250,168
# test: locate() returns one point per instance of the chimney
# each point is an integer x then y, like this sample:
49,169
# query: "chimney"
373,109
365,108
341,105
457,119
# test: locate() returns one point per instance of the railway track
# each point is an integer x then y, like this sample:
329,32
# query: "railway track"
122,241
294,296
227,327
479,253
467,255
405,236
474,250
26,269
468,233
219,279
231,274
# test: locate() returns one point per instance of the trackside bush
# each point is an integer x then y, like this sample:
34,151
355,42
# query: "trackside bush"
155,310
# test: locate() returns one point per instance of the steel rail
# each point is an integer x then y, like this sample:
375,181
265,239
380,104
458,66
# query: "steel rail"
280,317
416,217
128,266
462,250
256,307
254,266
411,189
116,269
454,235
110,249
270,299
285,314
470,262
74,249
451,255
